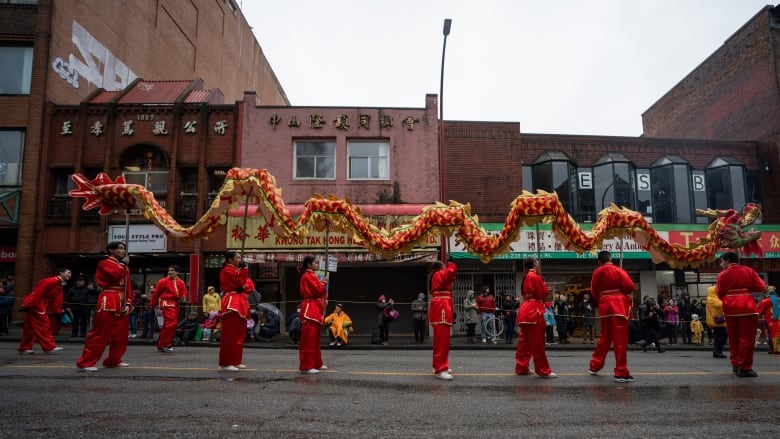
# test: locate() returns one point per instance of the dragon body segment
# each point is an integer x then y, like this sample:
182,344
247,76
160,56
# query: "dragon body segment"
244,185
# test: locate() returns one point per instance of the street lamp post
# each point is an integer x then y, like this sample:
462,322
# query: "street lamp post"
446,31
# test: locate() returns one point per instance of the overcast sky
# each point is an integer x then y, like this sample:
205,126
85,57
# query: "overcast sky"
564,66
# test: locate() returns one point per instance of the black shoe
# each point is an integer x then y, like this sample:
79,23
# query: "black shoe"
661,351
644,347
734,369
718,355
746,373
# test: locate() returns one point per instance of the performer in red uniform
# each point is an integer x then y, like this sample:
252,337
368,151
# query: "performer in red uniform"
45,298
440,316
530,320
235,312
769,309
312,316
611,288
736,284
111,322
168,292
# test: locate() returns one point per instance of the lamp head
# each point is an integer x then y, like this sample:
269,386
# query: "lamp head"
447,25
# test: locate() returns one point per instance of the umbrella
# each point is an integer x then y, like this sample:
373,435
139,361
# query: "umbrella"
270,307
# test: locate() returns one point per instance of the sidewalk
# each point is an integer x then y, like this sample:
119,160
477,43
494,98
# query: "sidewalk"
363,342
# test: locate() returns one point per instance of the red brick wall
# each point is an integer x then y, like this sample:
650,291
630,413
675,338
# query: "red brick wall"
483,160
732,95
482,166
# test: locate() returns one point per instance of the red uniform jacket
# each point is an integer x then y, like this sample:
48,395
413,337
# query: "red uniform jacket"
113,277
230,278
46,296
168,292
611,288
736,284
313,292
534,292
440,311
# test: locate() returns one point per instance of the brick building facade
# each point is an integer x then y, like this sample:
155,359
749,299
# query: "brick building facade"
64,51
179,148
734,94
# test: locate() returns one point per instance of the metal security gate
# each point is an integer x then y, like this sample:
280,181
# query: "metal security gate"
463,283
502,281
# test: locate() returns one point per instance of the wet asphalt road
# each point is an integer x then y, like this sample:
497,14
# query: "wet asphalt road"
382,393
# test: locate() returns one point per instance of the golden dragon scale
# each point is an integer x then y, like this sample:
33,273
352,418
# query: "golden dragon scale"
243,185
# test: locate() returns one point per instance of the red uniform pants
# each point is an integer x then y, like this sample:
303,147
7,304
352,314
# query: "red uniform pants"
108,329
531,344
231,342
441,348
168,331
742,340
36,328
614,332
309,350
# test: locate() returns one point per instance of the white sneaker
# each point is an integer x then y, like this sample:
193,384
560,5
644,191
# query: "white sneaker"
323,367
27,352
228,369
122,364
57,349
241,366
551,375
88,369
311,371
133,335
444,375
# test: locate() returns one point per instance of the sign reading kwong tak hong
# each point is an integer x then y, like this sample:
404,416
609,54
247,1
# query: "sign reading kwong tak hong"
261,236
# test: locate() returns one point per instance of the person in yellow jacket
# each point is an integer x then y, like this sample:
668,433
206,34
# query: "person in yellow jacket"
338,325
716,320
211,301
696,329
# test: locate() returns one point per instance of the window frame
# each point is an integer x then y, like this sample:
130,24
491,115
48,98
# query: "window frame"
25,81
316,157
5,157
369,160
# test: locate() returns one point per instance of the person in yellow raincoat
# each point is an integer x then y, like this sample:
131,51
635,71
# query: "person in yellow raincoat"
338,325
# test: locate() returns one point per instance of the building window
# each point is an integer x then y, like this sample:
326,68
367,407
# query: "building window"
60,202
11,146
555,172
670,180
368,160
15,70
146,166
315,160
20,2
613,181
725,179
216,178
187,207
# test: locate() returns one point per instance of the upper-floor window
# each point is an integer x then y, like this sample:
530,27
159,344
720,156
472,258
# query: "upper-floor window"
11,146
368,160
613,181
15,69
315,159
670,180
554,171
145,165
60,202
725,179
